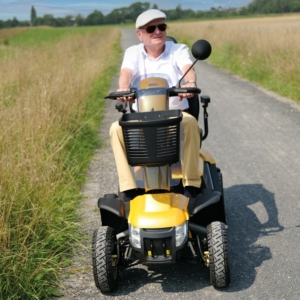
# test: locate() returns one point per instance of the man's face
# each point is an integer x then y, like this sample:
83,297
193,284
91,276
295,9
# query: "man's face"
155,38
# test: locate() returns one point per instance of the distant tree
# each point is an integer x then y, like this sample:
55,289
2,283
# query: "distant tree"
272,6
134,10
188,14
48,20
24,23
60,22
115,17
32,15
69,20
15,23
95,18
38,21
155,6
244,11
126,14
8,23
79,20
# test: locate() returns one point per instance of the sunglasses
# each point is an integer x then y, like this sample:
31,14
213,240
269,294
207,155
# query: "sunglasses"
152,28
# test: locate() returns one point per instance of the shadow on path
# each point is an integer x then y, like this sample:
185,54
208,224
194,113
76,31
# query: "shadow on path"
245,231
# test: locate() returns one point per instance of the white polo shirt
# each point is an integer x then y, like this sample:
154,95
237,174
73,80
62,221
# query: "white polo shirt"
170,62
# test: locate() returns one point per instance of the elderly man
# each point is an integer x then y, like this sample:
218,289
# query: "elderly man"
156,55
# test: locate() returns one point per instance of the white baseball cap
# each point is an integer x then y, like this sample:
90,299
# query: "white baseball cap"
148,16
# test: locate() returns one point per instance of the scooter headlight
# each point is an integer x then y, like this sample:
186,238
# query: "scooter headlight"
135,237
181,234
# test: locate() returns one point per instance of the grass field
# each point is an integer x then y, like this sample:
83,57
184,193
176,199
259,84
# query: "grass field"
51,99
264,50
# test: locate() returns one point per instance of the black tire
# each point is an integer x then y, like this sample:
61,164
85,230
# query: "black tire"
103,247
218,254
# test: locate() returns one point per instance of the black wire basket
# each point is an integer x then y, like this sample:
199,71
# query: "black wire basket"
152,138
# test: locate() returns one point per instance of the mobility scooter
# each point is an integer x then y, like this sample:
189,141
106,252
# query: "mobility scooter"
161,226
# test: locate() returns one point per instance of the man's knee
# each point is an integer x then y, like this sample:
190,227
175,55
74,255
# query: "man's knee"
114,128
190,123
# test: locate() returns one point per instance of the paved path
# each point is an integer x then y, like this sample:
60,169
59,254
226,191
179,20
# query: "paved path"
255,137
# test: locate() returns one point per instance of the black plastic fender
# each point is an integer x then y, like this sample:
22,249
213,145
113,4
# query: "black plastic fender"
206,198
112,203
113,212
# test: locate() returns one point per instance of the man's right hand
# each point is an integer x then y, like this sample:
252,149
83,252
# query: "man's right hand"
125,99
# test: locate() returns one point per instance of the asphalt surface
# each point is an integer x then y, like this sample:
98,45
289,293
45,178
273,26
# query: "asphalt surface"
255,137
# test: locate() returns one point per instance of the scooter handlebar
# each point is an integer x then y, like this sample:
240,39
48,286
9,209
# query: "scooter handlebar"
172,92
115,95
175,91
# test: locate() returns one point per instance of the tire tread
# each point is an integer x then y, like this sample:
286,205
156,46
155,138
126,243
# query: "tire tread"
219,257
102,248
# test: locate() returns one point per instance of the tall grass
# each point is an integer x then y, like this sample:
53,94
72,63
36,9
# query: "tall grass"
51,98
265,50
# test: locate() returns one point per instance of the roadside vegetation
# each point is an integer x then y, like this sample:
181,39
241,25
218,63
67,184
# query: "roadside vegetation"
264,50
51,99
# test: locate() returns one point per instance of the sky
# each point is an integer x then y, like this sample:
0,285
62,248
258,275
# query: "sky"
60,8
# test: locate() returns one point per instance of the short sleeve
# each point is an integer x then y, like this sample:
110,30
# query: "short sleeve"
182,56
130,60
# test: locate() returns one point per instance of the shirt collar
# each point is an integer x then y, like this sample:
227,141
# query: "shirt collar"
167,49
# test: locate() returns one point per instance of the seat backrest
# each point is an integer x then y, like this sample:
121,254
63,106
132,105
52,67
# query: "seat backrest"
194,106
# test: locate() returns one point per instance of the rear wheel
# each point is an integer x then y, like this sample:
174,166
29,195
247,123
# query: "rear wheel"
218,254
105,259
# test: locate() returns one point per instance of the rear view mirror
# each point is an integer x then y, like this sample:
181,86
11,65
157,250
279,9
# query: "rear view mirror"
201,49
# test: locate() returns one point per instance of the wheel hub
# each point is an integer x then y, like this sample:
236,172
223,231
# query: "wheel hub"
206,258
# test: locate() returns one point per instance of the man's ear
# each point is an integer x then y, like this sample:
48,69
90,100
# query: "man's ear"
139,35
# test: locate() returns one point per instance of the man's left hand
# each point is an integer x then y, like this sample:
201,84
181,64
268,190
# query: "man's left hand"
186,95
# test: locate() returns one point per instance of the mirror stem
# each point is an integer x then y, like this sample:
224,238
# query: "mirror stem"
179,85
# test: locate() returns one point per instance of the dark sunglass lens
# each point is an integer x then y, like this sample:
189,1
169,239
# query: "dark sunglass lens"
151,29
162,27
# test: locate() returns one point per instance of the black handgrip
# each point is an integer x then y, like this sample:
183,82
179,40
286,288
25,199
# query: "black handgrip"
115,95
176,91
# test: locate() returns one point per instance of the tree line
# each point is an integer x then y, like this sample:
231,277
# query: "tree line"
273,6
129,14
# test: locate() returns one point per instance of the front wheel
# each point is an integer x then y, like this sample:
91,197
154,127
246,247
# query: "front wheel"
218,254
105,259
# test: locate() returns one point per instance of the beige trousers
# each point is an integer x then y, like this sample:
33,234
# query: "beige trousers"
189,152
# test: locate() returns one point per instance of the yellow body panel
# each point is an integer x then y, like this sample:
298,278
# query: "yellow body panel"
153,103
207,156
157,100
177,169
153,82
158,210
